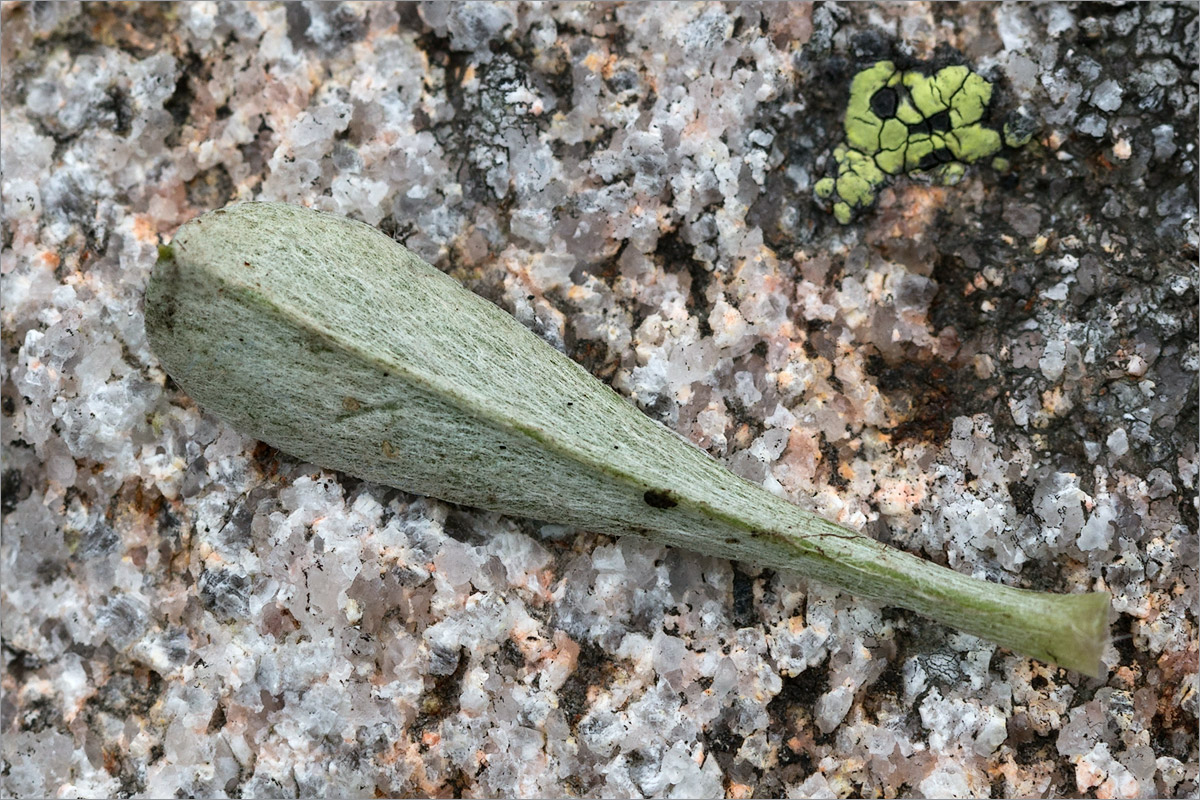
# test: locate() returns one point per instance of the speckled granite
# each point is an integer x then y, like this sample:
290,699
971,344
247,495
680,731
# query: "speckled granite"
999,375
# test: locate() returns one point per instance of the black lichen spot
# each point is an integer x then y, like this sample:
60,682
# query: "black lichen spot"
922,128
883,103
939,156
660,499
940,121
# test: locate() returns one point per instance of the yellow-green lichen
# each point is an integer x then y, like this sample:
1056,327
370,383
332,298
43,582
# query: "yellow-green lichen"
907,122
1016,135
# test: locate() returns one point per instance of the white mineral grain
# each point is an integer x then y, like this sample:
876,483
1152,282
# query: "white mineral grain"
1053,359
1097,531
815,787
1106,96
1092,125
1118,442
951,778
832,706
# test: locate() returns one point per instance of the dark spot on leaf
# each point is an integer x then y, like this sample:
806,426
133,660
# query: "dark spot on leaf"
660,499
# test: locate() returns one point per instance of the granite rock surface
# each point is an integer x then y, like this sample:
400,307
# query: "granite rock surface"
999,375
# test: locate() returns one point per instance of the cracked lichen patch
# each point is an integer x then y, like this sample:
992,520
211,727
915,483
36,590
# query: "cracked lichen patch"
907,122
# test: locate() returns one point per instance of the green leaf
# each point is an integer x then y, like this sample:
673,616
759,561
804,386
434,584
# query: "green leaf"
326,339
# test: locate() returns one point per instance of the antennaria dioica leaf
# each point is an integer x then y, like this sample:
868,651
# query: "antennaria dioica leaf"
326,339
